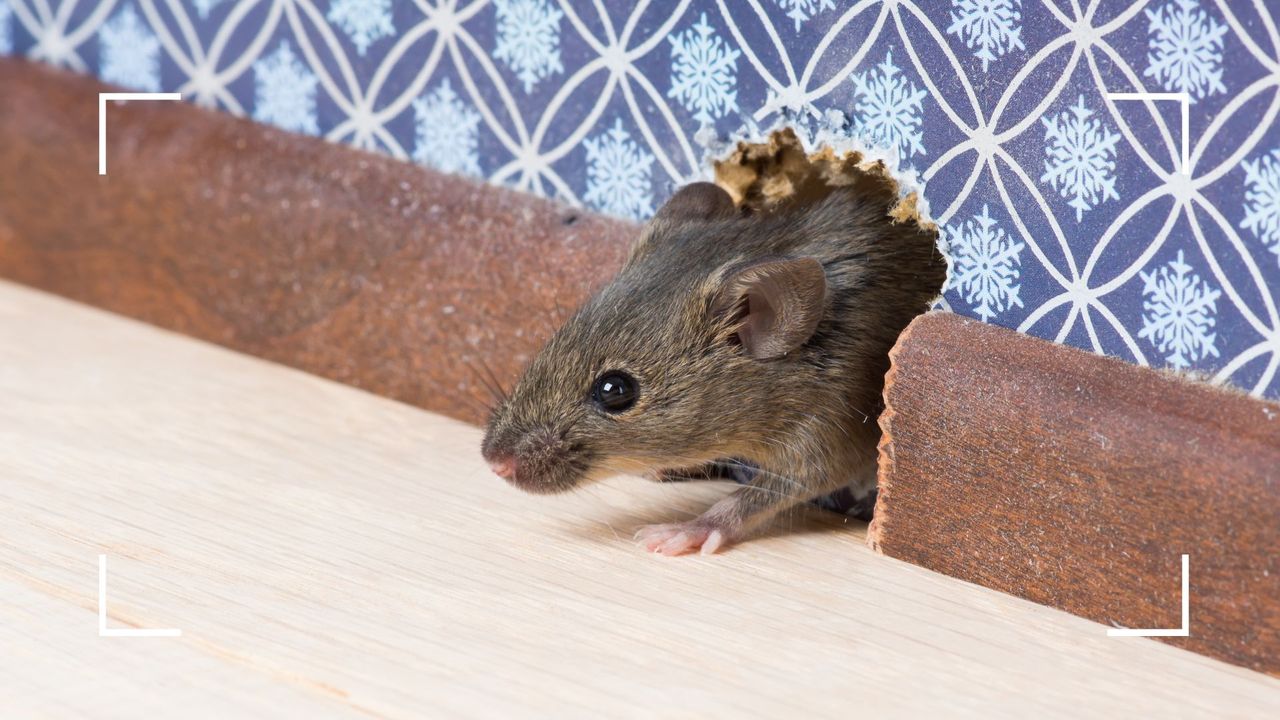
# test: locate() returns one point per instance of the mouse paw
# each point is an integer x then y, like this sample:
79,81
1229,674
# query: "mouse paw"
682,538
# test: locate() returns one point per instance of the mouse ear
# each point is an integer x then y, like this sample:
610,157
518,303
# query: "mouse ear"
779,304
697,201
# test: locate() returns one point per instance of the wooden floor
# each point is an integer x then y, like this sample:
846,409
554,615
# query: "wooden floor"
327,553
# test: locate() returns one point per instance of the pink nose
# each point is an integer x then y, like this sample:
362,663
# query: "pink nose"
504,468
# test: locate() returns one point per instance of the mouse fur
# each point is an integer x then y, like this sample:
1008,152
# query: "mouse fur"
755,336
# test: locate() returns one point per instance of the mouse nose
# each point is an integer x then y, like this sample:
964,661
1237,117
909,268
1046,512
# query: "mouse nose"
504,467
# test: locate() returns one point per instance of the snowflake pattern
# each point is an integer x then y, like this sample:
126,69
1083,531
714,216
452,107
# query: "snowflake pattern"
285,91
1179,314
1185,49
990,26
801,10
703,71
364,21
6,28
984,266
888,108
130,52
618,174
447,132
204,7
1080,157
1262,199
528,39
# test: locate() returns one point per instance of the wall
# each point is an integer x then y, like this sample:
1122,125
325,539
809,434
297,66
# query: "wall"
1066,211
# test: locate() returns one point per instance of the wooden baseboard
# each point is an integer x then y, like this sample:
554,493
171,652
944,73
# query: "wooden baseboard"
1078,481
350,265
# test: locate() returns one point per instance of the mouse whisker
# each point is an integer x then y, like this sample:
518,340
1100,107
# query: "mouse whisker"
488,382
503,394
483,382
483,409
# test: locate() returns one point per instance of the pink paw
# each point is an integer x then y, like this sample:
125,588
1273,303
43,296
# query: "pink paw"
681,538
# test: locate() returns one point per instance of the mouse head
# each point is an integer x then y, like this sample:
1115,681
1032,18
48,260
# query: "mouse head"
689,342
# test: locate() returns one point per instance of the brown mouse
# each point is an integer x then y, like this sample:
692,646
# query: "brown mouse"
762,337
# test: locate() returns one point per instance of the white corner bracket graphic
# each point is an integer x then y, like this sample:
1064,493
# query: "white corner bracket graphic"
102,117
105,631
1184,100
1184,631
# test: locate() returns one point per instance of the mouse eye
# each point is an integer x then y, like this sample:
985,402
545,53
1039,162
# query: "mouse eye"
615,391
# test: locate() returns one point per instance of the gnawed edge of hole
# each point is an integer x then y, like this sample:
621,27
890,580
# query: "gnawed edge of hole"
760,170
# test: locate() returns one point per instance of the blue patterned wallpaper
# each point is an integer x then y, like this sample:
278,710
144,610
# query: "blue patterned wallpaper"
1067,212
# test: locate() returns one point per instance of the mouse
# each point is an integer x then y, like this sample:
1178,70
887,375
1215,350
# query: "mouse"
731,337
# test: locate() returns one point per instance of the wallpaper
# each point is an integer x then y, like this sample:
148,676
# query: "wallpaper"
1069,213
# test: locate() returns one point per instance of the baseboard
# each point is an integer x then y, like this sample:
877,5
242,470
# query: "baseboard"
357,267
1078,481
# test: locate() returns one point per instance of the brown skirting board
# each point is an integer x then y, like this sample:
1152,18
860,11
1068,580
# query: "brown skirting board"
1046,472
1078,481
350,265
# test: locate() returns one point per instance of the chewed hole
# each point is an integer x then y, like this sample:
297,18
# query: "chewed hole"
779,169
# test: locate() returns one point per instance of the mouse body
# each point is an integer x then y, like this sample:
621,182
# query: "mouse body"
727,336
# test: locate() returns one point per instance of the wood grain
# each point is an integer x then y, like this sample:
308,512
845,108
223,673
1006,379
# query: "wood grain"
1078,481
330,553
351,265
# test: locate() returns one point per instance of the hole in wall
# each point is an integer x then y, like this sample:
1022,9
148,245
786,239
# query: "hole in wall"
778,170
